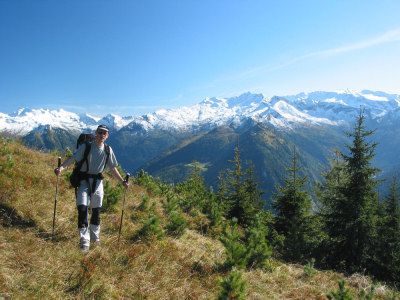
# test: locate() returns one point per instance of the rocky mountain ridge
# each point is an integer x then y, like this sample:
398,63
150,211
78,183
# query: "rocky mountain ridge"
315,108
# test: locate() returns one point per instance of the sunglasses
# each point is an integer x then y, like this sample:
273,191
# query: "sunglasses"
102,132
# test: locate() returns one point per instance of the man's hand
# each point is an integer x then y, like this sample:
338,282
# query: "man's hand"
57,171
126,184
66,163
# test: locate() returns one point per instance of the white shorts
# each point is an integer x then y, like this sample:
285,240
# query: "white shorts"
82,197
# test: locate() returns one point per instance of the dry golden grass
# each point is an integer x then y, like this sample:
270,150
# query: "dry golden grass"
35,267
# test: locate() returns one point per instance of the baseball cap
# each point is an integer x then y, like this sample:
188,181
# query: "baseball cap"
102,127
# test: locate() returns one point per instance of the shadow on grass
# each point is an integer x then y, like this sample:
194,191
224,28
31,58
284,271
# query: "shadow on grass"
10,218
59,236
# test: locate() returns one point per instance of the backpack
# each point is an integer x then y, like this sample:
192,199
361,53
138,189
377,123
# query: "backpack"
77,175
83,138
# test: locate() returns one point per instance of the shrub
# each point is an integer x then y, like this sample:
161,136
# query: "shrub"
177,224
341,294
144,204
170,205
235,251
111,196
232,286
309,270
257,248
215,216
151,229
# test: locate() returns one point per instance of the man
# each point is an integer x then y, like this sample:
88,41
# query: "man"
91,186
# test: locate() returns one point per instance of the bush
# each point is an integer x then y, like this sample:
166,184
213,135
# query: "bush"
177,224
111,196
232,286
152,185
144,204
309,270
257,248
151,229
170,205
341,294
215,216
235,251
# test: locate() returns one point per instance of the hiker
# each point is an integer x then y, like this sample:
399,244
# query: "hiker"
91,185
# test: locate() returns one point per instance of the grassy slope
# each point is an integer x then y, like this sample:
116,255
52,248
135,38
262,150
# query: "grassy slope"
34,266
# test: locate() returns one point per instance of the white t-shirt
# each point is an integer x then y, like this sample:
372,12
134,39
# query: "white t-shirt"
96,158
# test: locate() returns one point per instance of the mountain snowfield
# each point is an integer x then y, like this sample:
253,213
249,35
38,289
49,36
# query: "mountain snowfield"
26,120
319,108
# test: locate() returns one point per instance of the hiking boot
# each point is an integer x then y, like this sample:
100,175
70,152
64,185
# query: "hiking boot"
84,249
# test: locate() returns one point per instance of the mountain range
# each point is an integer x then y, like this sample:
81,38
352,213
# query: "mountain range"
267,130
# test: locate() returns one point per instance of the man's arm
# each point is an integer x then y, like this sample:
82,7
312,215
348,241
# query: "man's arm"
118,176
64,165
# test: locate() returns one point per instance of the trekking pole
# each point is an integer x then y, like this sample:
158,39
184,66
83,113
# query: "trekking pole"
55,201
123,208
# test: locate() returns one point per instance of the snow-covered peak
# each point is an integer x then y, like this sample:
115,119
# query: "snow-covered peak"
331,108
114,121
21,112
214,102
245,100
88,119
25,120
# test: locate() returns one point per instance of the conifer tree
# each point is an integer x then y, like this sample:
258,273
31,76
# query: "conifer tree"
193,189
235,250
176,223
389,233
257,247
243,198
330,191
253,193
222,198
232,286
330,202
195,178
342,293
293,211
349,204
357,214
236,192
391,205
151,229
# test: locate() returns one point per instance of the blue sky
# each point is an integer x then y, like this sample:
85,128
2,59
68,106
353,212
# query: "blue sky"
133,57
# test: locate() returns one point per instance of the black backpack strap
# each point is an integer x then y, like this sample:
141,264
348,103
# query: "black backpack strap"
85,158
80,164
86,154
107,148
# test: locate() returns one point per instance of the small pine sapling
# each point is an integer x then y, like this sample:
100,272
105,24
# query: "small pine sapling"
368,295
341,294
232,286
111,196
235,251
170,205
144,204
258,250
151,229
176,224
308,270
